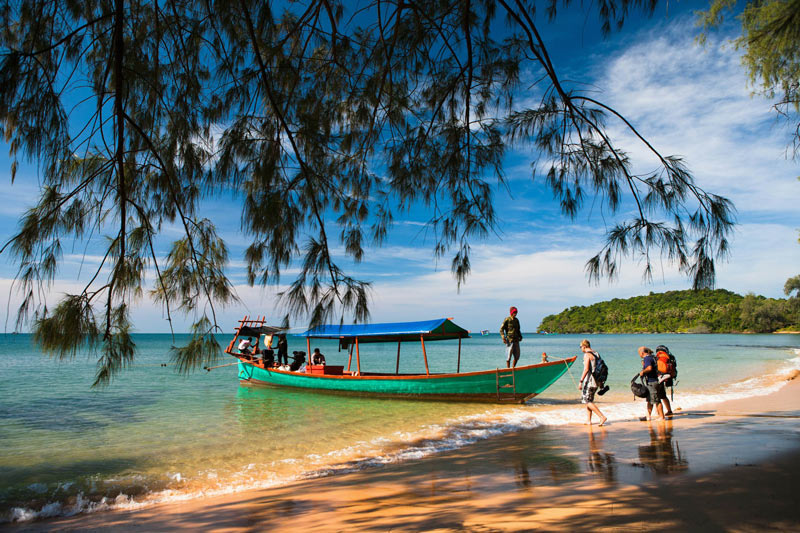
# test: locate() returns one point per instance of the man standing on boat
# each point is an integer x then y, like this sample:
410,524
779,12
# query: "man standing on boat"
512,335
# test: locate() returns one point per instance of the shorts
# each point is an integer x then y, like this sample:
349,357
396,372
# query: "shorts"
513,350
655,392
587,392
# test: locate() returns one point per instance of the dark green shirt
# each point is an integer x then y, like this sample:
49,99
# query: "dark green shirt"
510,329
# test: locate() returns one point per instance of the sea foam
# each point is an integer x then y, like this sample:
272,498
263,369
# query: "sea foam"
398,447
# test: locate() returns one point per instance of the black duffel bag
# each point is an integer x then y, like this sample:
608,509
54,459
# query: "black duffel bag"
638,389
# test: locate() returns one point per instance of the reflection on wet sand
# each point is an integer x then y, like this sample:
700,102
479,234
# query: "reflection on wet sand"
662,455
521,475
533,480
535,461
601,462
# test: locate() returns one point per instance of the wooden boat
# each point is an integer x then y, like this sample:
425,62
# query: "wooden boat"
494,385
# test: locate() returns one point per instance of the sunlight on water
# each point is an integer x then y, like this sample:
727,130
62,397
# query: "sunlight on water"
154,435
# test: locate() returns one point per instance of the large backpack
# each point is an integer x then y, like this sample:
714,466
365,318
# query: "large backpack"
638,389
666,363
600,373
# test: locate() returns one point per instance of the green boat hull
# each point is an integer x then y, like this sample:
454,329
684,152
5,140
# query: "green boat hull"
490,385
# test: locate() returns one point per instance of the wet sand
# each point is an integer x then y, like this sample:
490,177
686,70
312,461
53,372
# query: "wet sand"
724,467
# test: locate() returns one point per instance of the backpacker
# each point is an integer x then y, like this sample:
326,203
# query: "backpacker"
600,373
666,363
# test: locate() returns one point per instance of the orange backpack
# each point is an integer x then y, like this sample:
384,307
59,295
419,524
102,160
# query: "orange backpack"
665,364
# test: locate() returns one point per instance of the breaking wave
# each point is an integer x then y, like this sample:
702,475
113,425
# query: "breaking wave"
397,447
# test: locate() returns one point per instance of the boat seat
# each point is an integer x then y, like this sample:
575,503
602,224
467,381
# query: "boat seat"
328,370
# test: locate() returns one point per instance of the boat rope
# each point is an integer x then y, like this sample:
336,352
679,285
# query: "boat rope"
209,368
569,371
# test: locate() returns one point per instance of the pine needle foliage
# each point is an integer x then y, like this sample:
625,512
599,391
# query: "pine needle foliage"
201,350
325,124
70,328
118,349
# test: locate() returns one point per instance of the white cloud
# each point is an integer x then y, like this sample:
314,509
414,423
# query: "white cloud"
694,102
537,282
17,199
546,282
764,257
687,100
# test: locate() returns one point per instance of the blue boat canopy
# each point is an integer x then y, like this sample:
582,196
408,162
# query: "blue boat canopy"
431,330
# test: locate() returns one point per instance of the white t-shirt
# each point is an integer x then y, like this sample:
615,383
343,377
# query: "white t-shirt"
592,363
244,345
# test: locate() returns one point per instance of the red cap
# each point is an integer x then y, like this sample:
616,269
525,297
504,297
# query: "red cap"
513,310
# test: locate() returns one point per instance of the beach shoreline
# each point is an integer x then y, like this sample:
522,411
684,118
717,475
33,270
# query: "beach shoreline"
722,466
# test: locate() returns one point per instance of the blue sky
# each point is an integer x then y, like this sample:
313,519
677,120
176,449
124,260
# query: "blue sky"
687,100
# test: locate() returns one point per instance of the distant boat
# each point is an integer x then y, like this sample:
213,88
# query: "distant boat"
495,385
484,332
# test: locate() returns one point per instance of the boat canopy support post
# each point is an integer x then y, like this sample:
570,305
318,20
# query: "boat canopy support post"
358,358
247,321
397,370
308,349
458,365
233,344
424,355
350,358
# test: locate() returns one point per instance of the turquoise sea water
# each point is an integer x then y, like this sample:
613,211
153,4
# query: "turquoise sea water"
155,435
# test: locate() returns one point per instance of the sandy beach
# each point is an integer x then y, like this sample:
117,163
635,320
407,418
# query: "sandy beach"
723,467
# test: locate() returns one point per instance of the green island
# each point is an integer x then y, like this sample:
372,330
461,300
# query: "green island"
687,311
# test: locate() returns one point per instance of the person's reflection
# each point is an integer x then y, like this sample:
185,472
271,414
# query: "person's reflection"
662,455
520,461
521,475
600,461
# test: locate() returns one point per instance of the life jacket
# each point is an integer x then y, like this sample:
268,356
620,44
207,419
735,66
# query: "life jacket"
666,364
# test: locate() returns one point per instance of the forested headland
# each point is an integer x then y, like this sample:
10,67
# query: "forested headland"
689,311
